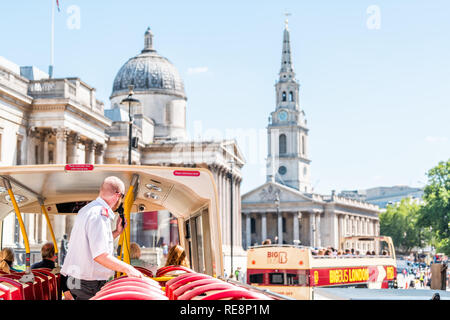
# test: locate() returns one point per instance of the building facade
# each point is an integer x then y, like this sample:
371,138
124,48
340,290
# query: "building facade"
285,209
60,121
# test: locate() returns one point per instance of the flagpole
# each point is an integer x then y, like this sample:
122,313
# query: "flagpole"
52,46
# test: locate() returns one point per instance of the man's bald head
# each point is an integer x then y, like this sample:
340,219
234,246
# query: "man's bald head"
112,185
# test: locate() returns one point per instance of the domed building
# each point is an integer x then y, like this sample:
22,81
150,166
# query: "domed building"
158,86
159,122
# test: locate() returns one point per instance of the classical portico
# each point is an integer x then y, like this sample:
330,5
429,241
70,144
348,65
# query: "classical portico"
307,219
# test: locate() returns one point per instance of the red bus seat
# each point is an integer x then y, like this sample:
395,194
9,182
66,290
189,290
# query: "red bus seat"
164,270
195,292
189,286
133,284
45,284
235,294
29,290
129,288
18,293
131,295
127,279
53,283
144,271
5,292
182,281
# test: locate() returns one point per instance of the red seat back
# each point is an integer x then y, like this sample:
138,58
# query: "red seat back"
130,288
183,280
29,290
134,279
18,293
133,284
164,270
45,284
52,282
144,271
131,295
184,288
5,292
189,295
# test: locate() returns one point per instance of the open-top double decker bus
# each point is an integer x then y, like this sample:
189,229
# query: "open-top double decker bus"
188,194
294,271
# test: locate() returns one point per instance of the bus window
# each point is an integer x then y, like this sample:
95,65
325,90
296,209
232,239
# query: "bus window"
276,278
292,279
257,278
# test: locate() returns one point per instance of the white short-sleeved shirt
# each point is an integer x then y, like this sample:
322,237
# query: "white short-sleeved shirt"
91,236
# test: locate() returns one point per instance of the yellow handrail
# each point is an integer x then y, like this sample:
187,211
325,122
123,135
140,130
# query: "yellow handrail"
55,244
22,225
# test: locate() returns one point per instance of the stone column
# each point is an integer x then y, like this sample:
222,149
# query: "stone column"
99,153
280,227
89,154
72,148
318,233
263,226
296,216
312,228
61,145
45,135
248,236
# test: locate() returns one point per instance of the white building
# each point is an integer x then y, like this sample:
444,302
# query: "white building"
60,121
300,216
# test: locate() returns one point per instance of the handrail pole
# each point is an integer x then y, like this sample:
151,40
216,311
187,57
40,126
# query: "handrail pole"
50,227
28,272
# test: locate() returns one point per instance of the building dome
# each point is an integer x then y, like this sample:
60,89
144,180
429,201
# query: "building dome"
149,72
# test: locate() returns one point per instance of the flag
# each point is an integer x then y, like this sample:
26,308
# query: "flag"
57,4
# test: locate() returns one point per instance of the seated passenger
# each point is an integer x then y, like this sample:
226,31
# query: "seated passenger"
177,257
6,260
267,242
135,256
48,257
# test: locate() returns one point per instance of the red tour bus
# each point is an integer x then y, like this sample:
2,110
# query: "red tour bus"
294,271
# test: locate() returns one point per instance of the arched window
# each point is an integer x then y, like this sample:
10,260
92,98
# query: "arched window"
284,96
282,143
291,96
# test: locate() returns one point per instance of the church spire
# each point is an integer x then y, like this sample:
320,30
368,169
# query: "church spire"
148,41
286,57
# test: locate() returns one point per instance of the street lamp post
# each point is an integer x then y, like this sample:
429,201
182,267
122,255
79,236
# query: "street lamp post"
230,175
131,102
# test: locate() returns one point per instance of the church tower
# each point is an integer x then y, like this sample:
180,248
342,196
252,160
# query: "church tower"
287,159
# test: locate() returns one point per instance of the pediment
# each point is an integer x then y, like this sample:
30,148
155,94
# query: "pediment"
268,192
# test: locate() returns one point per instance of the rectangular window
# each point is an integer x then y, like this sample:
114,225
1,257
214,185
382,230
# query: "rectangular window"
284,224
276,278
256,278
253,225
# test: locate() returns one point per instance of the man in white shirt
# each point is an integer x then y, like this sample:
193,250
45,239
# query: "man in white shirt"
90,262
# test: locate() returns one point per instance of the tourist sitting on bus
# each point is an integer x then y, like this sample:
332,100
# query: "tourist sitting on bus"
328,252
177,257
267,242
368,253
384,253
373,253
339,253
135,256
48,257
348,252
6,260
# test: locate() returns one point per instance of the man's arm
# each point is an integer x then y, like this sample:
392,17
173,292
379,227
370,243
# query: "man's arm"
112,263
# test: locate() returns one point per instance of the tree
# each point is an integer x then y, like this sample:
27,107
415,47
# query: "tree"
399,221
435,213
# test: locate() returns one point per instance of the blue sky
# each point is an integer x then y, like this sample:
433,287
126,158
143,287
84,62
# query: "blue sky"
376,99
